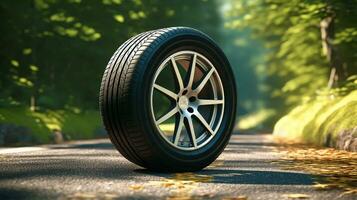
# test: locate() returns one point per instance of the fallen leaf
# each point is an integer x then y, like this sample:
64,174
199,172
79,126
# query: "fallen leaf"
136,187
297,196
167,184
320,186
235,198
348,192
335,168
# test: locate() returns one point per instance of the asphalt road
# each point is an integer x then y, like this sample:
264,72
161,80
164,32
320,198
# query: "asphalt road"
95,170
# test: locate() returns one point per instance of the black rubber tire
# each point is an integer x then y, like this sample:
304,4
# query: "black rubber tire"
124,99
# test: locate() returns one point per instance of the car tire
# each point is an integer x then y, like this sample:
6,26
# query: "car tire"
192,130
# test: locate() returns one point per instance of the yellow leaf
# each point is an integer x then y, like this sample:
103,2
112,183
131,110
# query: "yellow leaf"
136,187
348,192
297,196
324,186
168,184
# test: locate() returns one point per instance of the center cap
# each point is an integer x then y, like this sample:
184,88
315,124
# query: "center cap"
183,102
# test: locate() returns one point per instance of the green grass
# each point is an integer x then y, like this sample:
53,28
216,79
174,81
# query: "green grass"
22,116
75,125
83,125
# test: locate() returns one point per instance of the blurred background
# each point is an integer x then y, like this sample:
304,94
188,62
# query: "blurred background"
294,62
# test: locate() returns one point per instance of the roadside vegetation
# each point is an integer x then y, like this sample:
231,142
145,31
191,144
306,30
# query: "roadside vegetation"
295,63
53,56
21,126
328,119
311,68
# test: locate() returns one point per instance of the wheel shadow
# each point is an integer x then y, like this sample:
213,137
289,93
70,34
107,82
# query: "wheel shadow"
239,176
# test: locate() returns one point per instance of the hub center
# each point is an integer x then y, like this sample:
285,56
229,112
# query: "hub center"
183,102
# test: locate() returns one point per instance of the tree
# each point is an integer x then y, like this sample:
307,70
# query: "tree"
54,52
296,34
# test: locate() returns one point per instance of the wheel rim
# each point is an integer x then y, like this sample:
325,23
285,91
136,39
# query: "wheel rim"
195,100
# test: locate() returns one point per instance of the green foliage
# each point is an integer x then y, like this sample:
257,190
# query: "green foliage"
254,121
53,54
55,51
84,125
296,64
245,55
75,125
22,116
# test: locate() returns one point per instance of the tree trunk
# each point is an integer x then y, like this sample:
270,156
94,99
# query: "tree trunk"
32,103
337,71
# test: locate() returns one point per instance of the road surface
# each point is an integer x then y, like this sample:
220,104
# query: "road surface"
95,170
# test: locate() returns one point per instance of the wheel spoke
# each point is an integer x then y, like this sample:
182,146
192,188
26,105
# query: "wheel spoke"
165,91
192,71
167,116
177,73
203,102
191,130
204,81
178,130
203,121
